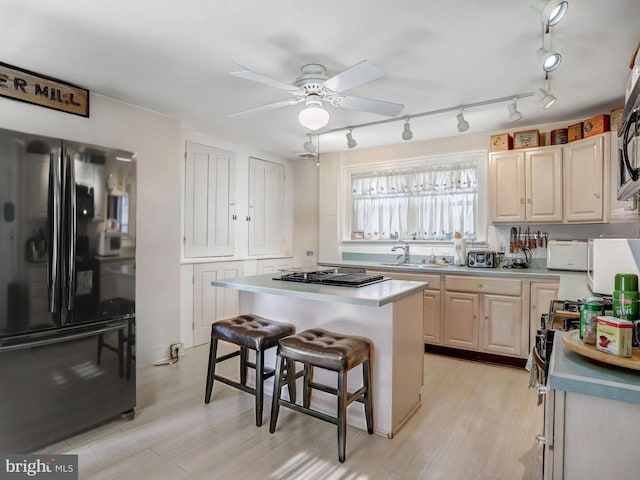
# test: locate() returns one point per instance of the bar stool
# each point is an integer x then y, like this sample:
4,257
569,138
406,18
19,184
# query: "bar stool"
249,332
330,351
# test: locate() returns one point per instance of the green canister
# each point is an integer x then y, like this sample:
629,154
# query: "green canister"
625,300
591,309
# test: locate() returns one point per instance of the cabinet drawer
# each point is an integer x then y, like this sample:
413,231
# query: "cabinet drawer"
434,280
500,286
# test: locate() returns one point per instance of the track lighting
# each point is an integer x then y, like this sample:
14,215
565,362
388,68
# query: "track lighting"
351,143
545,97
313,116
407,134
463,125
514,114
308,145
548,59
551,11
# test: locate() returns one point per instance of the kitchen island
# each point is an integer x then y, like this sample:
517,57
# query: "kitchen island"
389,313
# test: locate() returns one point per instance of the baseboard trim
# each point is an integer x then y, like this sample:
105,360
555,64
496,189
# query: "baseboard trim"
476,356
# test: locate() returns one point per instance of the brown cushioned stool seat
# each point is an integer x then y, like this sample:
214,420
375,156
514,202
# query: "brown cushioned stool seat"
331,351
249,332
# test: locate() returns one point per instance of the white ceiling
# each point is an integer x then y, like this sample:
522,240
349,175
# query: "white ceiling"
175,58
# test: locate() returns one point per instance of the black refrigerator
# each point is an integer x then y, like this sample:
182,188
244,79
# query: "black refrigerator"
67,314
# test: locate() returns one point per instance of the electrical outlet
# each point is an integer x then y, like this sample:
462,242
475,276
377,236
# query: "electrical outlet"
175,349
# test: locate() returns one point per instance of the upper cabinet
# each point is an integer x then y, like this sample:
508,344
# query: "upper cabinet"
556,184
526,185
584,180
209,201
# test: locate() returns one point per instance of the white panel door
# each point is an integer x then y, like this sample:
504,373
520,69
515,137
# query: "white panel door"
213,303
266,207
544,185
584,180
209,201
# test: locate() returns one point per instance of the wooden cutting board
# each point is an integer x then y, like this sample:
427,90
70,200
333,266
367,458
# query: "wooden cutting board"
573,342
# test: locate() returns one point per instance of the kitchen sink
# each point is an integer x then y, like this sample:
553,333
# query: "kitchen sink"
416,265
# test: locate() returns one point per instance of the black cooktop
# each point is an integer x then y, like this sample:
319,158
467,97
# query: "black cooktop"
330,277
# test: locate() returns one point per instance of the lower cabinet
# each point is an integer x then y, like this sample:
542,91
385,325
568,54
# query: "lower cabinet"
461,320
432,319
541,294
504,329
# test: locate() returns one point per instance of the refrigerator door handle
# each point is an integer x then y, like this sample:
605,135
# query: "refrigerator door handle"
71,231
54,207
61,339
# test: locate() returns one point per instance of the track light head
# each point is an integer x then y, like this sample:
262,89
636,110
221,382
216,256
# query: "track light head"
351,143
407,134
308,145
549,61
546,98
463,125
551,11
514,114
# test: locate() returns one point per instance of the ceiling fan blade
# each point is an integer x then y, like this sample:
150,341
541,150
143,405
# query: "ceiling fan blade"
367,105
360,73
256,77
264,108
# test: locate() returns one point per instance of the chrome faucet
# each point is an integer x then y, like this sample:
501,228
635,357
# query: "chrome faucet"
405,250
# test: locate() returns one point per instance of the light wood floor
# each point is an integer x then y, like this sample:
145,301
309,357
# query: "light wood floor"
477,421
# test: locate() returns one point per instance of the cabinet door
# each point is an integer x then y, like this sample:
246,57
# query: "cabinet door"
503,326
273,265
541,295
507,187
209,201
266,207
432,317
544,185
461,320
584,180
212,303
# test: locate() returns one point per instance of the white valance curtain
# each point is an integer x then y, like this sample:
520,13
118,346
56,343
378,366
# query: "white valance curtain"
430,202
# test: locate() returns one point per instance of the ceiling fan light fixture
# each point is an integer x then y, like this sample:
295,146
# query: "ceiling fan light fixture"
463,125
313,118
551,11
407,134
351,142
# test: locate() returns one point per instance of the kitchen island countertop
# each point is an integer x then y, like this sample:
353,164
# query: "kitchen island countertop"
374,295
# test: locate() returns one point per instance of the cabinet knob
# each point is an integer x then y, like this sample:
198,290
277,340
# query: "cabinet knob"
248,218
521,201
529,201
597,195
234,217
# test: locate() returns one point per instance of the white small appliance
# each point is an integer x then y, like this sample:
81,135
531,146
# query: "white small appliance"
567,255
608,256
109,243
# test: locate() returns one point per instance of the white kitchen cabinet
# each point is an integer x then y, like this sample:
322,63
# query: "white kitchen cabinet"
211,304
503,331
266,207
432,321
209,201
584,170
526,185
273,265
461,326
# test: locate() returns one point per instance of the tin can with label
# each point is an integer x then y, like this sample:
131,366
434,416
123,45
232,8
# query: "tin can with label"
591,309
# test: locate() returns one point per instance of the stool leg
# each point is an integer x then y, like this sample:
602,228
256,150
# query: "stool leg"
290,367
213,350
275,402
306,390
259,386
243,365
368,396
342,415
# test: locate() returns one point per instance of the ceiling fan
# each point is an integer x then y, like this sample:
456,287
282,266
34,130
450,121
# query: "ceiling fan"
314,87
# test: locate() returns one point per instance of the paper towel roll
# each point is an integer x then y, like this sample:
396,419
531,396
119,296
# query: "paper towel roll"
460,251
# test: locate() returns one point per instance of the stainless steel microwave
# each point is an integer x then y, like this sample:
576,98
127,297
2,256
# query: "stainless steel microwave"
629,148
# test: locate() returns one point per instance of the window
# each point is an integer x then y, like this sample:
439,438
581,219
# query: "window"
430,200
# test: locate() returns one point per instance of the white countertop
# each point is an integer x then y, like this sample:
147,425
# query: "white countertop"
374,295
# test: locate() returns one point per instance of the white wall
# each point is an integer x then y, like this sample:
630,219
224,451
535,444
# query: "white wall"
155,139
